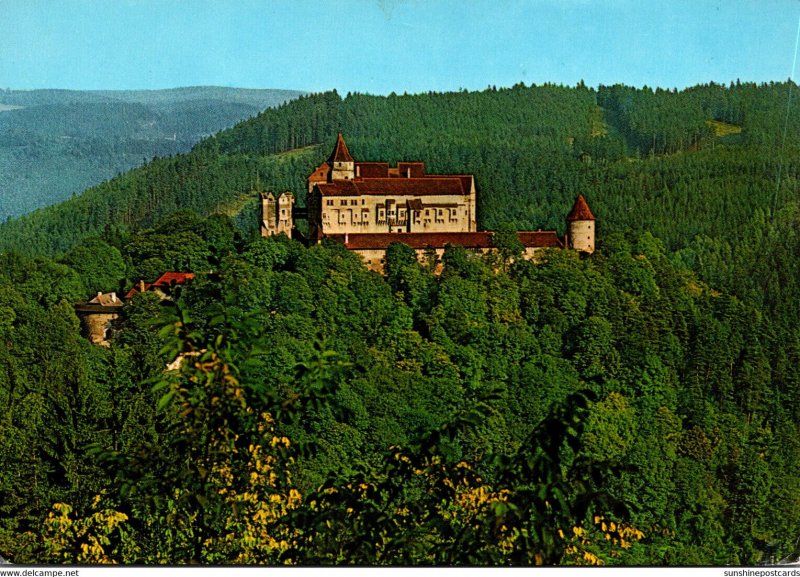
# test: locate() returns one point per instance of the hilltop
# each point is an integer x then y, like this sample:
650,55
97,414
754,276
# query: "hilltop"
55,143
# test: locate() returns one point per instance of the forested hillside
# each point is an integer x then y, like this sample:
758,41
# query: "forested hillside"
613,409
55,143
638,406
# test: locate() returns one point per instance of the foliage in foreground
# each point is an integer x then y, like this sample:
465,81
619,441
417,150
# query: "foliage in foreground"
611,409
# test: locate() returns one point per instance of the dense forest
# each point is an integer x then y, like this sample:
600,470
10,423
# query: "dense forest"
55,143
638,406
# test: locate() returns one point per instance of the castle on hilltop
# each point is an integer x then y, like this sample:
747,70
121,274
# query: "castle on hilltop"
369,205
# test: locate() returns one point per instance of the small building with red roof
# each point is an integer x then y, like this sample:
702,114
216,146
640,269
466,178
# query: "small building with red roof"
163,285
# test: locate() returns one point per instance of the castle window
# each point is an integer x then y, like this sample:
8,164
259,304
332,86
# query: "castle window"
354,202
363,201
329,202
427,212
343,202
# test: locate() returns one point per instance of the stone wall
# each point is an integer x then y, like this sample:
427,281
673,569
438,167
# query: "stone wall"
97,326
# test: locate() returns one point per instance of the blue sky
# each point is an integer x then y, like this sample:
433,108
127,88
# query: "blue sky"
380,46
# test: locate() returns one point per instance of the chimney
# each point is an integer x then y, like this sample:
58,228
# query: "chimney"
99,294
346,238
408,172
113,297
141,286
358,171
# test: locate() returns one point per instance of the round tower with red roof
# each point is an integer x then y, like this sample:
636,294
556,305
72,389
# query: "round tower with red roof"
580,227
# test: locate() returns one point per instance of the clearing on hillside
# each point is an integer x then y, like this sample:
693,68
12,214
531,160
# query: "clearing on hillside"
721,128
599,126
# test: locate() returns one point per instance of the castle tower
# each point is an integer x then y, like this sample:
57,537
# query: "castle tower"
276,215
285,223
268,214
343,167
97,316
580,227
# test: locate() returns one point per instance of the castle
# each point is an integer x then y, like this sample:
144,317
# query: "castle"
369,205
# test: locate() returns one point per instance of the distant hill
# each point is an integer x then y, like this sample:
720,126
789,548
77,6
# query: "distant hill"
54,143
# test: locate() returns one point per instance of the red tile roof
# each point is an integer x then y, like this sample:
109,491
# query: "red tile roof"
320,174
372,169
340,152
381,170
466,179
137,289
173,278
580,210
539,239
167,279
417,169
420,240
394,186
